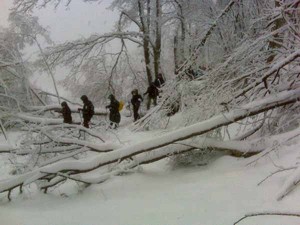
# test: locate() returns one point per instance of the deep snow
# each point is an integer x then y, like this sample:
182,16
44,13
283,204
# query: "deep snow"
158,194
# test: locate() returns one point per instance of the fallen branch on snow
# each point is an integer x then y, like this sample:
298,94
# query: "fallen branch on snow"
77,167
267,214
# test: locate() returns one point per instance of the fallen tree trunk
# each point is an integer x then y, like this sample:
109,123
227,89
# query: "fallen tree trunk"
77,167
57,108
41,120
6,148
244,148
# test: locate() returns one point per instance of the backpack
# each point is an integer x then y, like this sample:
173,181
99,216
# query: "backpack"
121,105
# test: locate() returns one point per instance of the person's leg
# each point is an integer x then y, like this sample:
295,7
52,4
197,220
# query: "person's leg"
136,113
116,125
155,101
86,122
148,102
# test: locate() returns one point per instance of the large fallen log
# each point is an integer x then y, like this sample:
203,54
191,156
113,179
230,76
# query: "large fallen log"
57,108
77,167
40,120
6,148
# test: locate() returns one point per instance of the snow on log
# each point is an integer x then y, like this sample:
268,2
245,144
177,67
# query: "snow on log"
41,120
94,147
6,148
94,177
90,164
74,109
271,71
78,127
244,147
181,134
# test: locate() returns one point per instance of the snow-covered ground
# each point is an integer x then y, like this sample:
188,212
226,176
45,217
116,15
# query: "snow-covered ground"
158,194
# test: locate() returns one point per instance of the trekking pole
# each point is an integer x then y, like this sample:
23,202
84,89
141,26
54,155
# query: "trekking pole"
106,126
80,123
129,109
80,117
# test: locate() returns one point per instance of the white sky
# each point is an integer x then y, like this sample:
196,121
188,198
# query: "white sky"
79,20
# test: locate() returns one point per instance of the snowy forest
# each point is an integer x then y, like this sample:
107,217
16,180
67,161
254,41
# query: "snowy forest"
186,112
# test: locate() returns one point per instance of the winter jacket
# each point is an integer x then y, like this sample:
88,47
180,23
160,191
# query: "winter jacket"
159,82
88,110
136,100
152,91
114,114
66,112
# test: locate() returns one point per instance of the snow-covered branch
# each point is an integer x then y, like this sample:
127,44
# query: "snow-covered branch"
76,167
268,213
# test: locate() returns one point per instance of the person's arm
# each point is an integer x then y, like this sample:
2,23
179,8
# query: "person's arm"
63,111
82,108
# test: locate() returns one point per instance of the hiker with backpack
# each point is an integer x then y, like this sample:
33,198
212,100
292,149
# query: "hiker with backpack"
114,114
152,92
87,110
66,113
136,102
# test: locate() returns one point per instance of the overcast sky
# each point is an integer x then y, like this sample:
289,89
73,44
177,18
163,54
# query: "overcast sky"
79,20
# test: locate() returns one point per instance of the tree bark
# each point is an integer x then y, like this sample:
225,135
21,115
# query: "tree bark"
145,21
157,48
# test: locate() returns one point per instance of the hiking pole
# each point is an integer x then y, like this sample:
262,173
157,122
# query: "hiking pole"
80,123
80,117
106,124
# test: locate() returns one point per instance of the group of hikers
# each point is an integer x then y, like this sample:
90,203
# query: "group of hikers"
87,111
152,91
114,106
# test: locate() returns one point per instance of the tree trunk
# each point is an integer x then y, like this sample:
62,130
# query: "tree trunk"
145,21
176,62
69,168
182,44
157,48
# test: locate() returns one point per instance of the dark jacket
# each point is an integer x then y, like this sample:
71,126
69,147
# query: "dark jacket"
159,82
66,112
152,91
88,109
114,114
136,100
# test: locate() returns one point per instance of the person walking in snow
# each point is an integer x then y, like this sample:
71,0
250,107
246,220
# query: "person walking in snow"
66,112
152,92
87,110
114,114
136,102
